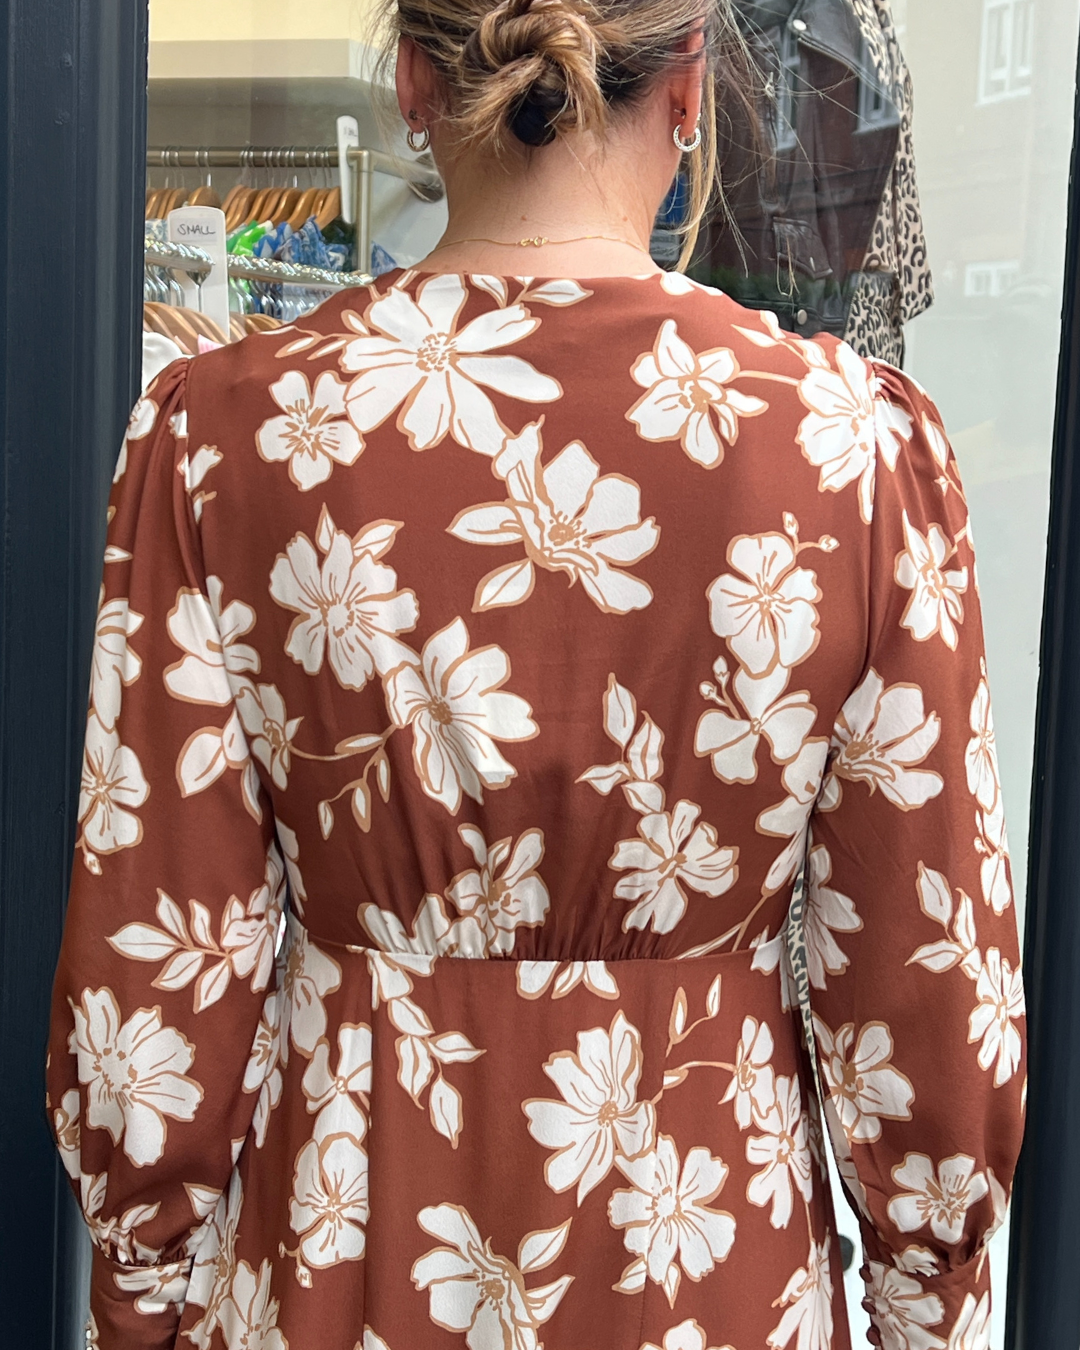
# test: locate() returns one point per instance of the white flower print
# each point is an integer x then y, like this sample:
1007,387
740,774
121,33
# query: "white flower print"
433,934
248,940
1000,991
114,663
771,956
534,978
290,854
116,1236
902,1311
672,852
249,1315
208,631
863,1085
570,519
455,704
940,1197
329,1207
161,1289
134,1072
141,423
688,1335
826,912
782,1153
980,757
421,362
971,1330
349,606
309,976
193,470
473,1290
215,1262
936,604
845,1163
504,892
65,1121
915,1260
689,397
767,613
752,1087
879,738
262,1073
338,1099
643,761
807,1304
311,434
600,1118
993,844
845,425
113,786
785,720
789,818
667,1217
269,729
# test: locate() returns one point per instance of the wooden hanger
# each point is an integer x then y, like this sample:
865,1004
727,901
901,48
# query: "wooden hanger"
238,208
305,208
261,323
286,205
331,210
168,322
204,196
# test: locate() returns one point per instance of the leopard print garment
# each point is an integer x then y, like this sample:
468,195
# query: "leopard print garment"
896,285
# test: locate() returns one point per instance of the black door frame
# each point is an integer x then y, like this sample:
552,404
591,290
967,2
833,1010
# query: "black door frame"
73,84
1044,1261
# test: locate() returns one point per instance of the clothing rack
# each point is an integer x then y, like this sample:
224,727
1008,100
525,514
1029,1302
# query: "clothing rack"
197,264
421,176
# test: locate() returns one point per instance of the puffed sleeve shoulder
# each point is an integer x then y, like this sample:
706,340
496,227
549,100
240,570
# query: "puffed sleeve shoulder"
919,1033
168,958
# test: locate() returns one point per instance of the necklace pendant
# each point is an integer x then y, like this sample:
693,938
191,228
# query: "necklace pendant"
536,241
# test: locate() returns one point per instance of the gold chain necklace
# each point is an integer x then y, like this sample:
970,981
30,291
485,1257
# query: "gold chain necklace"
539,241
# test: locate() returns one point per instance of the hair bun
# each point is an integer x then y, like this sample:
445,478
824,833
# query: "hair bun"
534,67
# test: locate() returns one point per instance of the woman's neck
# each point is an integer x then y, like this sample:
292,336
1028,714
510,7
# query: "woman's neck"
594,219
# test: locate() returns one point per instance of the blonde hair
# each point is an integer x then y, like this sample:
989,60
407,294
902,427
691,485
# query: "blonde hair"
520,73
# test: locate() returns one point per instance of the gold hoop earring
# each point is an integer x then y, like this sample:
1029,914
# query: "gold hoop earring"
687,147
418,142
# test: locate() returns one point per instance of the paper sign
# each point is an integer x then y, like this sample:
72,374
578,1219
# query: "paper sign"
204,227
348,138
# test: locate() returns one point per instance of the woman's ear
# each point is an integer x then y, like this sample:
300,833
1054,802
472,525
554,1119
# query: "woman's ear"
686,81
416,85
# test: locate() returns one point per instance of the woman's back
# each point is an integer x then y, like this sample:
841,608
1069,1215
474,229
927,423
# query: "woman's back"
530,637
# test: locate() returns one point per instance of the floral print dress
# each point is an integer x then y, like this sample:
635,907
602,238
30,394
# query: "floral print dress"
480,664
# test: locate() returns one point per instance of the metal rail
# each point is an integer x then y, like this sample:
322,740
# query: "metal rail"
195,263
421,176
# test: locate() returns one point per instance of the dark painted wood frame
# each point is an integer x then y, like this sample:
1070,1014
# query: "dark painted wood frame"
1044,1264
73,88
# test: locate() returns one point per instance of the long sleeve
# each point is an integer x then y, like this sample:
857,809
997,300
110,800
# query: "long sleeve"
169,950
910,924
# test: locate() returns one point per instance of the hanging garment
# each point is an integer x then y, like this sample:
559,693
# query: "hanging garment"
479,663
821,219
896,285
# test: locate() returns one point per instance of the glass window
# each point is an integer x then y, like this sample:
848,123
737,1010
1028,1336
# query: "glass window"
994,84
1006,55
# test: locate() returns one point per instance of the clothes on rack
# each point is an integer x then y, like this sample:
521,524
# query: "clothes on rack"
821,220
896,285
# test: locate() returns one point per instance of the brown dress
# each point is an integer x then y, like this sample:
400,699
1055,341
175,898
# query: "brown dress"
480,663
